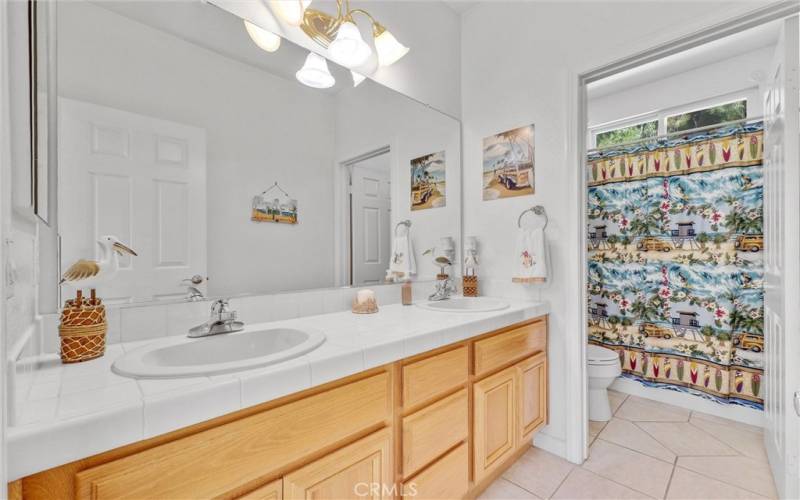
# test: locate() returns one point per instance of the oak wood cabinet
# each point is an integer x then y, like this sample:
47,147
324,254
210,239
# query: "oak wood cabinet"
494,433
442,424
270,491
360,470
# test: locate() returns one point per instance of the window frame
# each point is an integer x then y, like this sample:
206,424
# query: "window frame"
750,95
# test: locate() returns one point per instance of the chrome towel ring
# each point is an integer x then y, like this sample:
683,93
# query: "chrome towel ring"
537,210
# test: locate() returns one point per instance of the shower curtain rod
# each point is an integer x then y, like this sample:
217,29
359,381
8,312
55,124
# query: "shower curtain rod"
682,132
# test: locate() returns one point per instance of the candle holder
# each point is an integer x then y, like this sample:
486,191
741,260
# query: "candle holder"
369,306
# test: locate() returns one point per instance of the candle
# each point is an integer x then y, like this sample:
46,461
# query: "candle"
364,296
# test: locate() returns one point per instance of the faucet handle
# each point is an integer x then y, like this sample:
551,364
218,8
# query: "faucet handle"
220,306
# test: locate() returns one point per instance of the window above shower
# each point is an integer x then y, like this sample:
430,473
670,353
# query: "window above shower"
713,111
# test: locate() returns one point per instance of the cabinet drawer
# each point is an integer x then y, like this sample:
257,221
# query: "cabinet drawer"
214,462
360,470
447,478
433,430
498,350
429,377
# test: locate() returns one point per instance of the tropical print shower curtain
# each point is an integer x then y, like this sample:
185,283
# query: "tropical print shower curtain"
675,262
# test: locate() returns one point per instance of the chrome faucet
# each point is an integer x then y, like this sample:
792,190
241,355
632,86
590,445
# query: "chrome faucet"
222,320
444,288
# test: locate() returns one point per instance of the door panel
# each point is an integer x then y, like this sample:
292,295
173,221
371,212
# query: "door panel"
781,267
142,180
532,397
494,418
370,211
361,470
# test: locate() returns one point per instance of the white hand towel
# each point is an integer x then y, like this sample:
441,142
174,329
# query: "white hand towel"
530,256
402,262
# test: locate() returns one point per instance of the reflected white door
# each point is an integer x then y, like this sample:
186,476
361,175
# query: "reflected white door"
782,261
142,180
370,212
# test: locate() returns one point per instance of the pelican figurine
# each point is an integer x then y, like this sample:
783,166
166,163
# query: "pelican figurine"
90,273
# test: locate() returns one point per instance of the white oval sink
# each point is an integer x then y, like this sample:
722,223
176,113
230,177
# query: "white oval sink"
251,348
465,304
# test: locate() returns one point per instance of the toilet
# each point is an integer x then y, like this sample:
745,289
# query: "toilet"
603,368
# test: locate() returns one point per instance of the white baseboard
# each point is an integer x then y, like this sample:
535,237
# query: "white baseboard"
690,402
554,445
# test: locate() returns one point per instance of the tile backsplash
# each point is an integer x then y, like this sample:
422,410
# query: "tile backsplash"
130,323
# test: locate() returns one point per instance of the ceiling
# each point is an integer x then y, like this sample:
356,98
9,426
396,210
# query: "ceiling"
760,37
460,6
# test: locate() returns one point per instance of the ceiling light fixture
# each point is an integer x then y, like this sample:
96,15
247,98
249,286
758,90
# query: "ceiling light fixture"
315,73
340,33
386,45
357,78
348,48
266,40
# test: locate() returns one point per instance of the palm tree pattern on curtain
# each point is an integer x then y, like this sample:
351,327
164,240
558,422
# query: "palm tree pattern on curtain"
675,262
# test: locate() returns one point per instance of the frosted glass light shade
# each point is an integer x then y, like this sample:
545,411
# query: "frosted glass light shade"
357,78
388,48
348,48
315,73
266,40
292,11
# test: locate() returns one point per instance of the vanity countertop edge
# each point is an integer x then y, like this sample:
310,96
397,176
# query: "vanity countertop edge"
115,411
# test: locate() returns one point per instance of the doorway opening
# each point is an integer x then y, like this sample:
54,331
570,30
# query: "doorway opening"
684,154
368,182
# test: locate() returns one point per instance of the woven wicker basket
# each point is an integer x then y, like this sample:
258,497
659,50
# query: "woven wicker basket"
470,285
82,330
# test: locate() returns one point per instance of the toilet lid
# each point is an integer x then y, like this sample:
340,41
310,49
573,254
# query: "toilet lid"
597,354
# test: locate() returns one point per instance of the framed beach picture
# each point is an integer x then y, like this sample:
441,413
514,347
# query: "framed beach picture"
428,181
508,164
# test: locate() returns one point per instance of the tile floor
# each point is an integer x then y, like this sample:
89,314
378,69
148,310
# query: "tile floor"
648,450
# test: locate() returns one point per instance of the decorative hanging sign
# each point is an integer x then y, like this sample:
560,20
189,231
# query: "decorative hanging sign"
268,208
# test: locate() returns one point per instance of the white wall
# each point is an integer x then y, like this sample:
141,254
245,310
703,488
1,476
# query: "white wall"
519,60
428,73
369,117
731,75
260,129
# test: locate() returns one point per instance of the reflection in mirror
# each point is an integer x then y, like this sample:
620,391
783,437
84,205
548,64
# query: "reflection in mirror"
184,138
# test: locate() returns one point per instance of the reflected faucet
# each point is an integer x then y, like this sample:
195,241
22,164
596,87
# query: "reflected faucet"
444,288
193,294
222,320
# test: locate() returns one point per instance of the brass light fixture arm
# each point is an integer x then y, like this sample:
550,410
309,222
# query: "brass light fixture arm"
322,27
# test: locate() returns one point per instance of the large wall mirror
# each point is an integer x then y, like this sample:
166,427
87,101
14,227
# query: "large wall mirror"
201,151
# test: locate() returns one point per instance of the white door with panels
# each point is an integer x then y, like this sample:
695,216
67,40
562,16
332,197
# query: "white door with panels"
141,179
370,219
782,261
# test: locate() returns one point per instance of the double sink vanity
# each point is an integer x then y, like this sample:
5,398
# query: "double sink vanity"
227,173
407,402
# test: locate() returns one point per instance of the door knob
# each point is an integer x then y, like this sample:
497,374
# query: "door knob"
195,280
796,403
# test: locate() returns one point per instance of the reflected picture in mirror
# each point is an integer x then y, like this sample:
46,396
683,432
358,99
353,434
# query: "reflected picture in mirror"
176,119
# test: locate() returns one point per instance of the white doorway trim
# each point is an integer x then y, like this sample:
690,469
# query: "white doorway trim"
341,206
576,449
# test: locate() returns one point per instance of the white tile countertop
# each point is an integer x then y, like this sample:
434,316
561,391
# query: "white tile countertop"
75,411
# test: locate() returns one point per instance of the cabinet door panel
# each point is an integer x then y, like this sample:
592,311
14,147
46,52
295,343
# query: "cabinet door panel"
494,420
360,470
271,491
532,396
